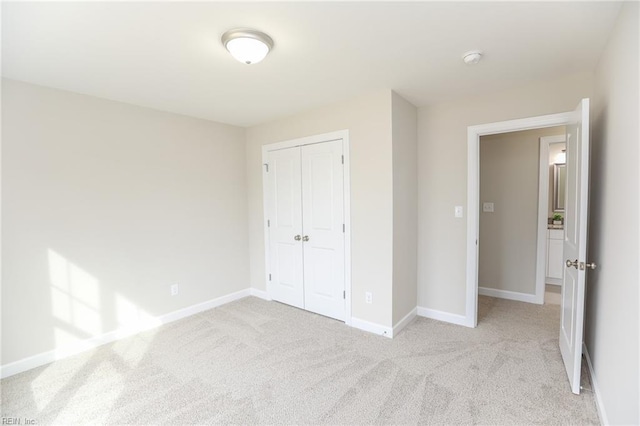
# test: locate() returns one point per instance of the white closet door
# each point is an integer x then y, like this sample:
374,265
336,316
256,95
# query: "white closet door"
285,228
323,233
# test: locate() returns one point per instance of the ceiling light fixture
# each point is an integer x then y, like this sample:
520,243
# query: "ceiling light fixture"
472,57
246,45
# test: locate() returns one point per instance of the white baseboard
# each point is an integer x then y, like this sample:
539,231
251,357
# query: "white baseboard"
204,306
260,294
371,327
510,295
444,316
596,390
404,322
84,345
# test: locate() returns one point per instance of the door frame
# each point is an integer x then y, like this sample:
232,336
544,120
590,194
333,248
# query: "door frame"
473,197
309,140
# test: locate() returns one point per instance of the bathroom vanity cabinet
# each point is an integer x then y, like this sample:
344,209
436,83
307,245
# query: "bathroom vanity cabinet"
555,264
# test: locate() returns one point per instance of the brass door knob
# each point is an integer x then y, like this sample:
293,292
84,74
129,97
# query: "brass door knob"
591,265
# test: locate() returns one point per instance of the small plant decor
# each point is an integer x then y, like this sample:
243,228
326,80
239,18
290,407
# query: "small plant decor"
557,219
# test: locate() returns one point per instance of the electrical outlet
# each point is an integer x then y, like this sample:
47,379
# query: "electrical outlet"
368,297
174,289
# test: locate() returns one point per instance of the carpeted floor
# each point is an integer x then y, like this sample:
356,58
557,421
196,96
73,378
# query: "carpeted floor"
258,362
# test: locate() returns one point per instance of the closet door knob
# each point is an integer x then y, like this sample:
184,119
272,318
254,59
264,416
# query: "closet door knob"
297,238
305,238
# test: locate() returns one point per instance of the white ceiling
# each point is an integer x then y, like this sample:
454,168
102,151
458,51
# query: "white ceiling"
168,55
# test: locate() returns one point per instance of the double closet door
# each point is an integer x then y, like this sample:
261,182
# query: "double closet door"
305,214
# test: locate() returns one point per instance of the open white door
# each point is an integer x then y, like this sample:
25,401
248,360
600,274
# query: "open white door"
575,244
285,218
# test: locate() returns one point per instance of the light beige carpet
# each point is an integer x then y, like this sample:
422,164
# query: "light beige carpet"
257,362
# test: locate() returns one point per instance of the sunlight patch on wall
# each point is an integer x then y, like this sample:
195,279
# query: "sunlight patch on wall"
131,318
75,301
76,307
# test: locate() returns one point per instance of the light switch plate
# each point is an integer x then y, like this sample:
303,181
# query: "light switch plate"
457,211
487,207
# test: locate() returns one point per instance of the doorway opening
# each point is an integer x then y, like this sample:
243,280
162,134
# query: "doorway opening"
575,226
519,249
473,192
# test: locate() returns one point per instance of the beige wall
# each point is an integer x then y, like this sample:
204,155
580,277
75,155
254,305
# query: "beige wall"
368,120
105,205
404,128
612,329
442,177
509,167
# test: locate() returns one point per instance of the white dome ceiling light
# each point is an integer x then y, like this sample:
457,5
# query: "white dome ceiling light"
246,45
472,57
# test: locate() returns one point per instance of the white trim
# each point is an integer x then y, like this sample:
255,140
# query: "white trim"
404,322
473,191
602,414
371,327
93,342
510,295
265,212
473,226
307,140
346,150
261,294
444,316
543,210
553,281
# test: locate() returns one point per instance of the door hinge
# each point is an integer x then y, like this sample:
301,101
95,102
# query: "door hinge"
269,277
266,165
343,228
344,294
268,223
342,159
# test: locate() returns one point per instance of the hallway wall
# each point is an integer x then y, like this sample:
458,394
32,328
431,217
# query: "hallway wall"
442,177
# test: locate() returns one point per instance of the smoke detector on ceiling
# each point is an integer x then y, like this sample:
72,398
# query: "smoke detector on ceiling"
472,57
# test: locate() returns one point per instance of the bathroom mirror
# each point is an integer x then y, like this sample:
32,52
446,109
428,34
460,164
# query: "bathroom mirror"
559,185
